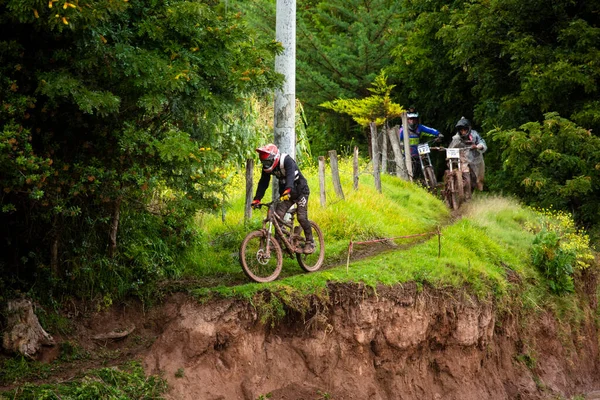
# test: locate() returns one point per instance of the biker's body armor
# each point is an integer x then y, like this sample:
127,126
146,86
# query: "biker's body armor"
288,175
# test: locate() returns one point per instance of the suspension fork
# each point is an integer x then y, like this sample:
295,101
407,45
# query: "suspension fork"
422,165
268,228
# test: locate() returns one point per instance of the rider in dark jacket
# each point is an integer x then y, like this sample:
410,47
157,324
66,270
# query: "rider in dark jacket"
467,137
293,188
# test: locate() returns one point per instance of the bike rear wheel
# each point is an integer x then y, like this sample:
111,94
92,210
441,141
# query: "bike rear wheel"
468,185
259,263
314,261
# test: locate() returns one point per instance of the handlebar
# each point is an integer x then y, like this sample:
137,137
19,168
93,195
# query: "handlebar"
261,205
269,204
440,148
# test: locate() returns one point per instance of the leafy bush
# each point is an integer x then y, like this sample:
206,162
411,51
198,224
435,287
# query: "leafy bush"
553,165
555,263
116,119
560,249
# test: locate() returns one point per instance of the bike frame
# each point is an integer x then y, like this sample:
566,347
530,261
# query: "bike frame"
274,220
424,152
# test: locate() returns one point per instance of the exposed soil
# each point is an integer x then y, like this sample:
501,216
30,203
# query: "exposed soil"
397,343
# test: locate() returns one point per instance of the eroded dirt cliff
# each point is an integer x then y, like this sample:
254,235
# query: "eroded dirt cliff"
396,343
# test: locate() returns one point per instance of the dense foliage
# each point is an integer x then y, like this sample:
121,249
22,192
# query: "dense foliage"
116,119
552,164
503,62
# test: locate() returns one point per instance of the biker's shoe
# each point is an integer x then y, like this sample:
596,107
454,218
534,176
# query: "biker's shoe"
309,248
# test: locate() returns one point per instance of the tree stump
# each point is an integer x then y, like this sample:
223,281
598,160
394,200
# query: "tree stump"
24,333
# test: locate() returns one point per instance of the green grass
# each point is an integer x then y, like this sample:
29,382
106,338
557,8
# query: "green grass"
402,209
486,251
125,382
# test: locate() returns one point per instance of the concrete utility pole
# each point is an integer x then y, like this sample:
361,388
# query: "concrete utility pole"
285,99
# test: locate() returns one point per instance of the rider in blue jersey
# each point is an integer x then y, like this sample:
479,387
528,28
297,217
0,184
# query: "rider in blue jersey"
416,130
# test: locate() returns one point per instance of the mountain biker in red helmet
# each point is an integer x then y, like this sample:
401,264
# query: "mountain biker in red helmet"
415,131
293,188
468,137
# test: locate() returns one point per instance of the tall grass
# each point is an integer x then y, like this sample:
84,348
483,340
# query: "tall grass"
487,251
402,209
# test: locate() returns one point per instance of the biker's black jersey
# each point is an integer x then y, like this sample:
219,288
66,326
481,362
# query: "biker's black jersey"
289,176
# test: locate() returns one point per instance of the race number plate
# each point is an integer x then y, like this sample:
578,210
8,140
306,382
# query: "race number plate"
452,153
423,148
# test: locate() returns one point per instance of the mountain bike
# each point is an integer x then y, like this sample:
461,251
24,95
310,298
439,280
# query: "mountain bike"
426,166
261,252
457,177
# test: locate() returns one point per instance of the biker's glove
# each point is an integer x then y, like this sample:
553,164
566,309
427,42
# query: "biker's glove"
440,136
285,195
255,203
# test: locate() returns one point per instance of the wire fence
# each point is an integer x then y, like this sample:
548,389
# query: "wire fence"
437,232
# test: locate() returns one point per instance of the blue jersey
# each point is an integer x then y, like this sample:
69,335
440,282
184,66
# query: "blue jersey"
415,137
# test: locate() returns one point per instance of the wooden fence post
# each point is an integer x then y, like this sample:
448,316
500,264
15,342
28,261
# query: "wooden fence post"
335,174
394,136
407,156
355,168
375,158
322,181
249,189
384,151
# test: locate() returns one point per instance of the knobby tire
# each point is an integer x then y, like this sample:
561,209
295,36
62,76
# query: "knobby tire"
467,183
253,260
460,186
450,190
430,179
454,193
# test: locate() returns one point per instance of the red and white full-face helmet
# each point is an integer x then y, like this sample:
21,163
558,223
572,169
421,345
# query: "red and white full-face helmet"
269,157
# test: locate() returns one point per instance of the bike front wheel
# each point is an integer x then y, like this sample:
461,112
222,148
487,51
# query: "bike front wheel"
314,261
451,190
261,261
430,179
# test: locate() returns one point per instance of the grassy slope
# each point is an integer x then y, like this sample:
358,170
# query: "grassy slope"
478,251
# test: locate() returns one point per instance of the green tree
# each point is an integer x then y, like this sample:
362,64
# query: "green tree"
112,116
378,107
526,59
422,69
341,47
503,62
552,164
